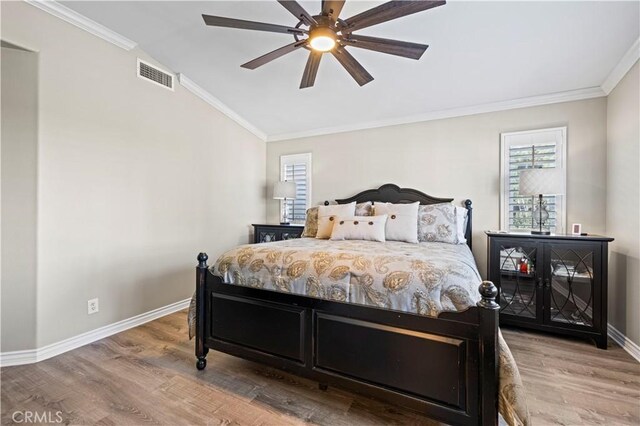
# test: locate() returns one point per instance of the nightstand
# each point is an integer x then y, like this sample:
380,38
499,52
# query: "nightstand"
268,233
562,287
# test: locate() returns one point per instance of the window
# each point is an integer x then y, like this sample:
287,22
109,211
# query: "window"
297,168
523,150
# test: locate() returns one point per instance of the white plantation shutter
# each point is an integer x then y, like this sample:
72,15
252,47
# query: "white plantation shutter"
525,150
297,172
297,168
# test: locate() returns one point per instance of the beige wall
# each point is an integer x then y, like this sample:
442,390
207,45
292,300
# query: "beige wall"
457,157
133,180
19,135
623,204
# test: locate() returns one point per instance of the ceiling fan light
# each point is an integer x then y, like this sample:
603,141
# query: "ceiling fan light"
322,43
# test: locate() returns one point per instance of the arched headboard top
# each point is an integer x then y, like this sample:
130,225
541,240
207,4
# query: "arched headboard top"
391,193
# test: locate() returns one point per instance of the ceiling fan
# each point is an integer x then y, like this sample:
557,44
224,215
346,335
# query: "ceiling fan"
327,33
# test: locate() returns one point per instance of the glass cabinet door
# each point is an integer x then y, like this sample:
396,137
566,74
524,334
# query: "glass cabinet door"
267,236
572,285
290,235
516,265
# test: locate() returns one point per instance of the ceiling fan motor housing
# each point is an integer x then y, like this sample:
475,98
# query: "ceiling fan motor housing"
322,38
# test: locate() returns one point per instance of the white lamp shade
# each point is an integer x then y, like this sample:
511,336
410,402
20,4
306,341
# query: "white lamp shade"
284,190
541,181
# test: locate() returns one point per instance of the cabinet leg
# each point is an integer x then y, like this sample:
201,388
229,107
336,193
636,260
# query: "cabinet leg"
601,342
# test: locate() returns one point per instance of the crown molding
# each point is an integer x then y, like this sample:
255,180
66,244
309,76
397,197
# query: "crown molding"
552,98
82,22
188,84
40,354
622,68
60,11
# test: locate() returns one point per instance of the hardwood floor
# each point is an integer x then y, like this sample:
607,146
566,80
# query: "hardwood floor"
147,375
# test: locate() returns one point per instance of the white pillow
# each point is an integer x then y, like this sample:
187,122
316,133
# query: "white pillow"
370,228
402,222
461,224
328,214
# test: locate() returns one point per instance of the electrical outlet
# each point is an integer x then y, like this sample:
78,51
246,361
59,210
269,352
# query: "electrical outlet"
92,306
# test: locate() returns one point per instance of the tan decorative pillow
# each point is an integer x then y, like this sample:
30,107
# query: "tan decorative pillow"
402,222
369,228
310,223
364,209
328,214
438,222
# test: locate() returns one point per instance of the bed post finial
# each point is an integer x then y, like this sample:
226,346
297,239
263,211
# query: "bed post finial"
202,260
488,291
467,204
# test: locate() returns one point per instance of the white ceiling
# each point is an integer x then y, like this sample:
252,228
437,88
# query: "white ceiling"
480,52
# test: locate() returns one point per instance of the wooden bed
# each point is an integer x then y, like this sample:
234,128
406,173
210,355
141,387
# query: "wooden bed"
444,367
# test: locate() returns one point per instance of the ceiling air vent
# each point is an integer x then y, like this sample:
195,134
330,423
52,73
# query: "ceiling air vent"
155,75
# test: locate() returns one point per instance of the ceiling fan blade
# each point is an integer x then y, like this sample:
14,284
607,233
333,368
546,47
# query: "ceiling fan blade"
273,55
219,21
298,11
332,8
353,67
388,11
311,69
392,47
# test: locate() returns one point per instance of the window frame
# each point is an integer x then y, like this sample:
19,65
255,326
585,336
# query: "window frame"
305,158
509,138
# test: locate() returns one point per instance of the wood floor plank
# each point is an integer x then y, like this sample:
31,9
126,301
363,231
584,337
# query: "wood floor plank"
147,375
570,381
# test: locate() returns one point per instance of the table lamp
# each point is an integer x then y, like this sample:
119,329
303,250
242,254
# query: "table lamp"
284,190
541,182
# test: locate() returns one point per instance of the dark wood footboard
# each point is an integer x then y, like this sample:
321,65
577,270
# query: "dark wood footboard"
445,367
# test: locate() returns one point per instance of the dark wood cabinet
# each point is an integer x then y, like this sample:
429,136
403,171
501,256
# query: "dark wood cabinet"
269,233
555,283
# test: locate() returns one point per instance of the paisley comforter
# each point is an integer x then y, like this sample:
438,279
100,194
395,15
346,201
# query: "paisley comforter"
424,279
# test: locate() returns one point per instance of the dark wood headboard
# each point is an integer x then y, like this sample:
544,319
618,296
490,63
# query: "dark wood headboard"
390,193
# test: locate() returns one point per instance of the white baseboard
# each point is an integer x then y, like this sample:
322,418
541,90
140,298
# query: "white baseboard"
626,344
35,355
30,356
